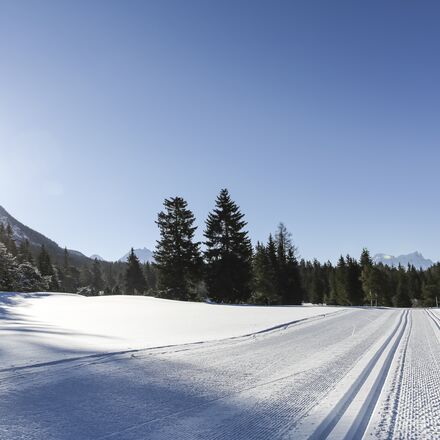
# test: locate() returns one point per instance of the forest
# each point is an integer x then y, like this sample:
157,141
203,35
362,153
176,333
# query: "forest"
225,268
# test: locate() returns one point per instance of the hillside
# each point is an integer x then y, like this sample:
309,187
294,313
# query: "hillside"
36,239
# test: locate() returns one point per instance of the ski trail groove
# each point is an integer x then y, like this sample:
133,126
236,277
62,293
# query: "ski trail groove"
359,425
434,318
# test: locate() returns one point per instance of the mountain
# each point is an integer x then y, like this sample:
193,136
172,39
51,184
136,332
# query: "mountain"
96,257
415,258
144,255
22,232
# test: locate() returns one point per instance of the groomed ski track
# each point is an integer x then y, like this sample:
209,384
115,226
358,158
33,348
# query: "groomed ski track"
362,373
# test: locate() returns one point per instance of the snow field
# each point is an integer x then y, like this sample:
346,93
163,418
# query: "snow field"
43,327
356,373
256,387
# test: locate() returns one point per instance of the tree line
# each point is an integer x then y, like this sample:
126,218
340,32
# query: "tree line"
224,268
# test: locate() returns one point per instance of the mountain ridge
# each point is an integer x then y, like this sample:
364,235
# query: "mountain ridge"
415,259
22,232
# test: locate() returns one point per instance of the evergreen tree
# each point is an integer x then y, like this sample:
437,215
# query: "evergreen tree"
353,282
150,271
340,283
177,256
228,252
10,242
24,253
97,283
317,285
110,281
402,298
288,276
8,269
29,279
44,263
264,267
46,269
134,279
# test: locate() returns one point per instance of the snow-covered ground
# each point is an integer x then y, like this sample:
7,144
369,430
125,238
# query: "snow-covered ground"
42,327
357,373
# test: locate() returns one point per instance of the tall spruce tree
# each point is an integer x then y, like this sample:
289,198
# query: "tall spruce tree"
265,272
8,269
288,275
353,282
97,283
134,279
228,252
44,262
177,256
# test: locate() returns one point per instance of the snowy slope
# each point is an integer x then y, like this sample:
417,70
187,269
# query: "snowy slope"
46,326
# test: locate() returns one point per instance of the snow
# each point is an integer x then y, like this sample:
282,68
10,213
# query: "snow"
144,255
134,368
40,326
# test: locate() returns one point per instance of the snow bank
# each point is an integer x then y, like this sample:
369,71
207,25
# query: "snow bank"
40,327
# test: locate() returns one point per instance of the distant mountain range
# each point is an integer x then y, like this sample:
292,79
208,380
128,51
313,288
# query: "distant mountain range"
415,259
22,232
144,255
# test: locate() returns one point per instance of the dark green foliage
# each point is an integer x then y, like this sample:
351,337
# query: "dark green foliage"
29,279
277,277
24,253
97,283
177,256
134,281
402,296
228,253
44,262
8,269
265,274
288,275
150,271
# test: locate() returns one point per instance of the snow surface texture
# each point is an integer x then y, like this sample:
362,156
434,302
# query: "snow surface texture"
351,374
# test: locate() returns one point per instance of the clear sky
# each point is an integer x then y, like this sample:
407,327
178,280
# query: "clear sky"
322,114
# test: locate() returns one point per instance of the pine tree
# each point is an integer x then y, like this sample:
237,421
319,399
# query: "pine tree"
353,282
97,283
402,298
134,279
228,252
177,255
29,279
150,271
8,269
44,263
24,253
317,285
110,281
340,293
9,241
264,268
288,276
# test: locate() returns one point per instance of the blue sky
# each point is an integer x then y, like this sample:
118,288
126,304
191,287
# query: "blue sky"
323,115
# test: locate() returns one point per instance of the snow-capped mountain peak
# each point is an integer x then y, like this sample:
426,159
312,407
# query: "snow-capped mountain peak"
144,255
415,259
96,257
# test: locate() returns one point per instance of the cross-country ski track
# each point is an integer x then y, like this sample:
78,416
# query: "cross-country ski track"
357,373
